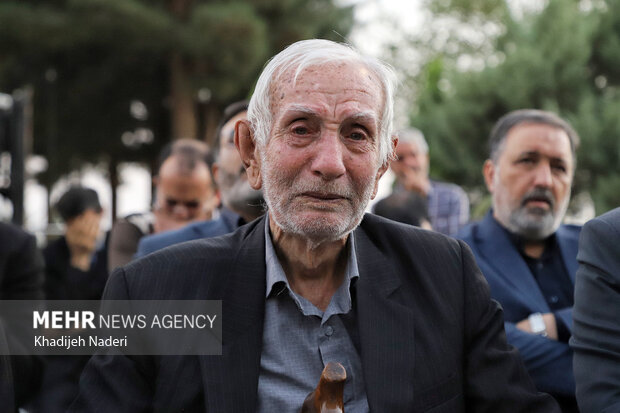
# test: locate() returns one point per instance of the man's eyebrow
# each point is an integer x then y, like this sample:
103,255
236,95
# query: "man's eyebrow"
300,109
538,154
364,117
359,116
529,153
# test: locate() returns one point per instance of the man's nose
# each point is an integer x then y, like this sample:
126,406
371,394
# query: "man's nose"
412,161
543,177
180,212
328,160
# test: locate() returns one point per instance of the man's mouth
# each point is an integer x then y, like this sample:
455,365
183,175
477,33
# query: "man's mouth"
538,202
323,196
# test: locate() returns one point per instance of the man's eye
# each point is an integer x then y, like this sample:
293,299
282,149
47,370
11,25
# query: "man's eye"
527,161
300,130
559,168
358,136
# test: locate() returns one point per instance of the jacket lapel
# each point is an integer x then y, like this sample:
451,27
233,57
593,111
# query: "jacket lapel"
499,253
569,248
386,327
231,380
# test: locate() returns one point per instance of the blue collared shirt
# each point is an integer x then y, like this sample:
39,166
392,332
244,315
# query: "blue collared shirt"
448,207
299,340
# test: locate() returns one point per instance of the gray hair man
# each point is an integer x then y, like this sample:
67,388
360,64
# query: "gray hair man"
448,205
405,311
527,256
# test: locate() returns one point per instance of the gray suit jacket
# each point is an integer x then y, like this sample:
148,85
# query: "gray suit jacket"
431,339
596,315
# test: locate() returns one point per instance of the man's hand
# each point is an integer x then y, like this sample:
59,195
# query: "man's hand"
550,326
81,236
414,180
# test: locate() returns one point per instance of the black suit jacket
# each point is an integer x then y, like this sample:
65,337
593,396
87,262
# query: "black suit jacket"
596,329
21,278
59,383
431,339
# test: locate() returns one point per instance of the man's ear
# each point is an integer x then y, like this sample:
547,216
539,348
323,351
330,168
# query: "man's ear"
385,166
215,176
489,171
248,149
380,173
215,172
213,202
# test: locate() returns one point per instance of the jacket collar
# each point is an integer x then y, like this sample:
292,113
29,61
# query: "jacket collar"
231,380
383,323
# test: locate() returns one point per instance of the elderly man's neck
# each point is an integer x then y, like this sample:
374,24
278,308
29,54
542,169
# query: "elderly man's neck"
313,270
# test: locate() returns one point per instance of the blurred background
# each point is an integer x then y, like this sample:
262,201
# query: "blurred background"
90,90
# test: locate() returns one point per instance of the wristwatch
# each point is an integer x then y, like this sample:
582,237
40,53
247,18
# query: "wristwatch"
537,324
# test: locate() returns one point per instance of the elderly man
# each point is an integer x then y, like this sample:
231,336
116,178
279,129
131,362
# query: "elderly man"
184,193
448,206
404,310
528,258
240,202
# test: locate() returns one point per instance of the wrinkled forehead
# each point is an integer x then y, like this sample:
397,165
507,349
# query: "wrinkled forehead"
358,77
549,140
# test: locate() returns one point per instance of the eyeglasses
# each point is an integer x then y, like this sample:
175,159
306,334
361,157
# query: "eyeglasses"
172,203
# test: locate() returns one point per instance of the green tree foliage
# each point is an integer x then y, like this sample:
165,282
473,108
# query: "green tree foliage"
564,57
87,60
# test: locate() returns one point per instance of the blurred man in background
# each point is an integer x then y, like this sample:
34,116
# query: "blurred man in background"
448,205
76,268
184,192
528,257
240,202
75,264
406,207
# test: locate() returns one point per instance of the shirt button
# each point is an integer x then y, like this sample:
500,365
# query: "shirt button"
554,299
539,265
329,331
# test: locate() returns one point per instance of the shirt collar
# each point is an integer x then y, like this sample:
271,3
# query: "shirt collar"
276,279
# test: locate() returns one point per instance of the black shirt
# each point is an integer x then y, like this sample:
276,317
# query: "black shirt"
551,276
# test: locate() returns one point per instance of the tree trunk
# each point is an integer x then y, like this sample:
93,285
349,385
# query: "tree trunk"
113,174
182,103
184,123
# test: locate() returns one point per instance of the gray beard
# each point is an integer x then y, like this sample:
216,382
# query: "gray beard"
279,194
535,224
531,226
243,199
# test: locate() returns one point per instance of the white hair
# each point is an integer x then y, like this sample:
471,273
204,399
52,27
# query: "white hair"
317,52
415,136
